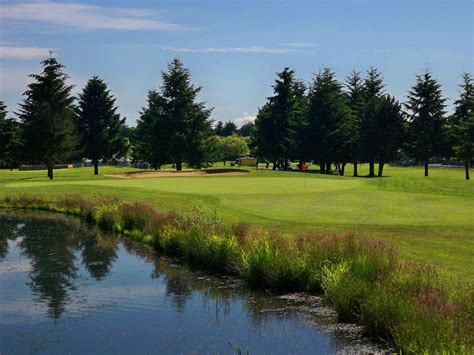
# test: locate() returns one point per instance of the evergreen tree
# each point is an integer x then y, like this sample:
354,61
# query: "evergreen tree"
263,138
373,89
47,117
330,121
179,126
9,139
464,123
388,135
426,116
150,146
229,129
218,128
278,122
247,129
99,125
355,94
287,114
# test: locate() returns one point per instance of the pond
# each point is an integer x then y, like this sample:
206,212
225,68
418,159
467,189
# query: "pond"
66,287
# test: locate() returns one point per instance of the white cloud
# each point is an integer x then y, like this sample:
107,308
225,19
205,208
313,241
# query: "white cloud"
300,45
86,16
266,50
23,52
245,118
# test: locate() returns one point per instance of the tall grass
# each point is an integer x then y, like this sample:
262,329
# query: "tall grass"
406,304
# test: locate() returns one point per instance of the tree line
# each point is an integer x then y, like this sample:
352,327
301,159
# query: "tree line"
334,123
326,121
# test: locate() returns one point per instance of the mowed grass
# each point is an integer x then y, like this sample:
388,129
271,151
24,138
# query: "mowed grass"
430,219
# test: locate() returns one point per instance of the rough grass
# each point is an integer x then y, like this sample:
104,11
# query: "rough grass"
405,303
428,219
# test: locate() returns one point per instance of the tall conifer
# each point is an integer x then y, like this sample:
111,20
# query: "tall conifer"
47,117
98,123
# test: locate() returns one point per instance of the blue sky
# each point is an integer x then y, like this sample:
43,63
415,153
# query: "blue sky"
233,48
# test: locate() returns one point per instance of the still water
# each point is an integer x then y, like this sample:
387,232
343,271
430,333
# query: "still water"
68,288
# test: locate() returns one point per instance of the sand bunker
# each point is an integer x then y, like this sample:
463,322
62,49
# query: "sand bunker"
173,173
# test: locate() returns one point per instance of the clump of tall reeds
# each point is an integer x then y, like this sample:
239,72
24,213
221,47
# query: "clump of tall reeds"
405,303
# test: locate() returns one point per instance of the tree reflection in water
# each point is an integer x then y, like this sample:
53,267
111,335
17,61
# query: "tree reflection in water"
61,252
52,250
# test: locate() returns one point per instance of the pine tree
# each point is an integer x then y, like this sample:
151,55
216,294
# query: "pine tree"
426,116
288,112
9,139
464,123
218,128
229,129
355,93
263,137
99,125
180,125
47,117
388,135
330,121
247,129
373,89
278,122
150,146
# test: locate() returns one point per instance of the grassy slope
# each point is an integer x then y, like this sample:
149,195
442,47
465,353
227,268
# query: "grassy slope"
429,219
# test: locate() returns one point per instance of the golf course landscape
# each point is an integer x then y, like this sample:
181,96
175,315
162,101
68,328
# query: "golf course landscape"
427,219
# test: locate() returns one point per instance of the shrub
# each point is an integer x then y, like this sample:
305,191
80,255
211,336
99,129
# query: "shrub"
106,216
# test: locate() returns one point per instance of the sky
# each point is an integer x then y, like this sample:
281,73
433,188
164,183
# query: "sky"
233,48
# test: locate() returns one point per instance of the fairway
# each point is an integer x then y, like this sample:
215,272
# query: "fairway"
427,218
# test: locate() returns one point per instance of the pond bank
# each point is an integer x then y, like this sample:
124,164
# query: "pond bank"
114,295
407,304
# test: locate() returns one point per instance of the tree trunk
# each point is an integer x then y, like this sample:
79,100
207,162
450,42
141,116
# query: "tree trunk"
372,168
356,173
380,169
342,167
286,164
426,167
328,168
50,171
322,168
467,170
224,162
96,167
274,165
268,165
179,166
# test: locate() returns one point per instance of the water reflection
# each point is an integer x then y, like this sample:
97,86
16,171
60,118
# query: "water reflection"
127,289
98,254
